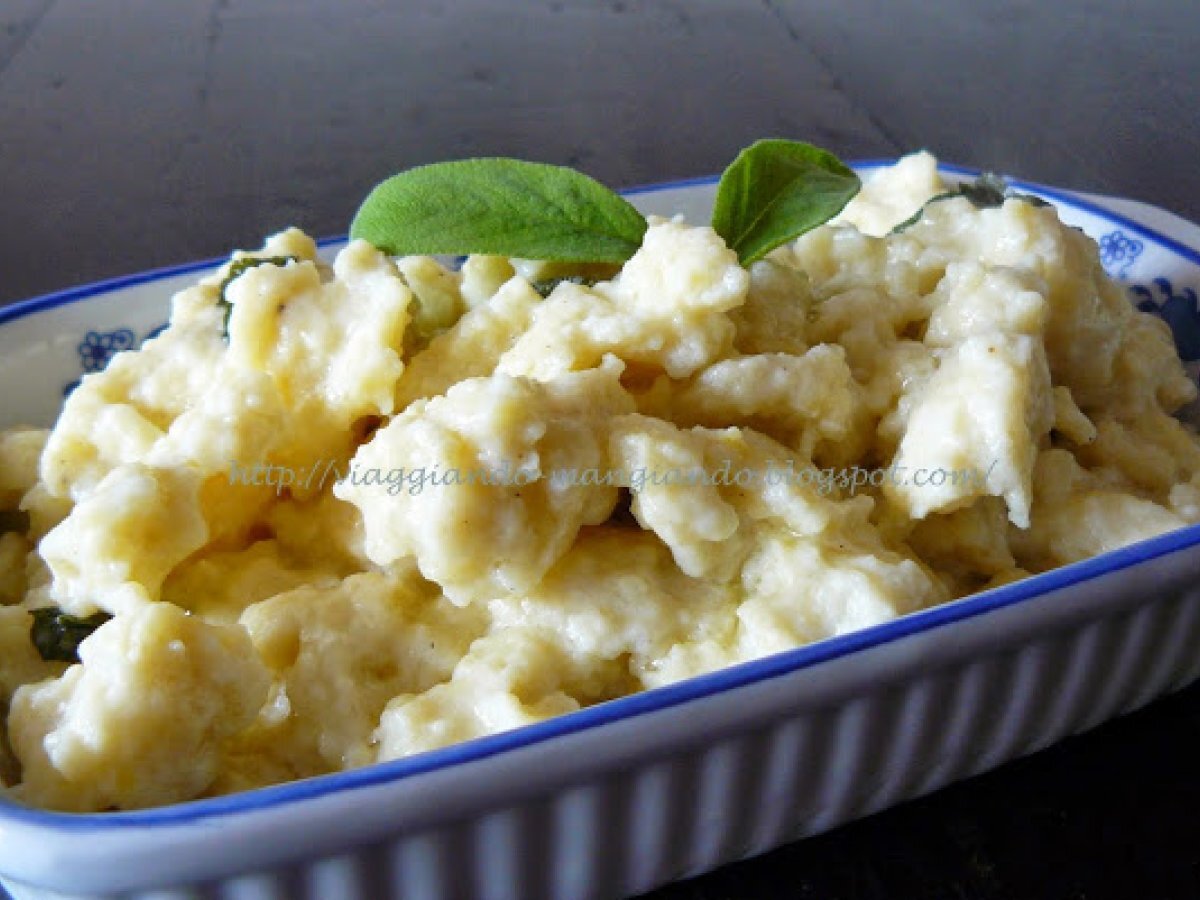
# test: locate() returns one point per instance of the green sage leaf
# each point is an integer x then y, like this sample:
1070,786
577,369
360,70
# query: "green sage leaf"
777,190
57,635
239,267
503,207
987,191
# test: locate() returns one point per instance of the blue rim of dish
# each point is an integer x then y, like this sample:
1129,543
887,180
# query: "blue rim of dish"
645,702
24,308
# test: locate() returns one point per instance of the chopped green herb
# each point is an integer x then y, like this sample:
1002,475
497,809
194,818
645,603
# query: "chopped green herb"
57,635
985,192
545,286
14,520
239,267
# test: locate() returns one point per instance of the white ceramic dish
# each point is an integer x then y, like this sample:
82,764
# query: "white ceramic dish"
619,798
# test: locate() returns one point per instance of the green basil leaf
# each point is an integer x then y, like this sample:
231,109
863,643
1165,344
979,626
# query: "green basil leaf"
775,191
57,635
503,207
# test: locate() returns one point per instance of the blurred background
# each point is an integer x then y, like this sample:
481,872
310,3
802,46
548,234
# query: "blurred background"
137,133
141,133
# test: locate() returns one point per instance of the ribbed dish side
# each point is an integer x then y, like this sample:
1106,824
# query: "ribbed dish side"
671,818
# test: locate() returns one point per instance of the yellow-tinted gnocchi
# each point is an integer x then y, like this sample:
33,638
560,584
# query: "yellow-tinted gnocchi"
389,505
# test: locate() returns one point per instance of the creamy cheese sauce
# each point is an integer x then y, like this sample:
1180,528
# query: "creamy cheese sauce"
264,632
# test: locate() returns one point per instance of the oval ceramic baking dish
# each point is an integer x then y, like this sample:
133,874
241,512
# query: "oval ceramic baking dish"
627,795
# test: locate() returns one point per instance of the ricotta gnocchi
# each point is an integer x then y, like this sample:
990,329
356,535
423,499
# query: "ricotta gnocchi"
383,592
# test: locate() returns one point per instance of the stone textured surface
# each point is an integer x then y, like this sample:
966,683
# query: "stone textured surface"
140,133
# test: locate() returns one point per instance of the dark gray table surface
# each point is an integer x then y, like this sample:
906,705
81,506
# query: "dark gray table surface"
140,133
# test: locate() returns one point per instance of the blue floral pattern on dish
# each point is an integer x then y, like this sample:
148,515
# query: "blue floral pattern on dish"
1177,309
98,347
1118,252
